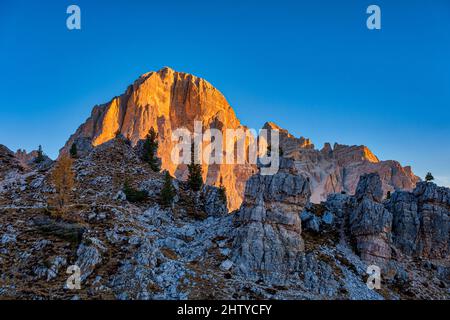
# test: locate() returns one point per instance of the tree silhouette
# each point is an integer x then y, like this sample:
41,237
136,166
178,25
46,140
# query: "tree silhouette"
168,190
429,177
40,155
134,195
222,192
195,179
150,150
73,151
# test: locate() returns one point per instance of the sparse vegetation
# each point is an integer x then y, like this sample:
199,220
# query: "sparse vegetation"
150,150
222,192
62,178
195,179
168,190
132,194
40,155
73,151
269,151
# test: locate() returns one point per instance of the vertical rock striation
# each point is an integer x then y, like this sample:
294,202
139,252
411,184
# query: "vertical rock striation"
421,220
168,100
268,226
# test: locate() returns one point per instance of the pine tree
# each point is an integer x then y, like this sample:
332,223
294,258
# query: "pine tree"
150,150
168,190
40,155
429,177
269,151
133,195
195,179
62,178
73,151
222,192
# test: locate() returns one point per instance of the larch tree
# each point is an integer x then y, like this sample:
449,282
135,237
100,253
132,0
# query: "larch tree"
62,178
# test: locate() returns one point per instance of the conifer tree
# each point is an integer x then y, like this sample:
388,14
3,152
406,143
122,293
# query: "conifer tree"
195,179
429,177
168,190
40,155
222,192
132,194
388,195
150,150
73,151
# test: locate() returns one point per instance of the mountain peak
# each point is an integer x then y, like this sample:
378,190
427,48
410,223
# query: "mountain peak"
167,100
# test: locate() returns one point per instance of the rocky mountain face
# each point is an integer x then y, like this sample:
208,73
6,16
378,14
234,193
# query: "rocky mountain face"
268,225
421,221
406,235
167,100
8,162
337,169
278,245
282,242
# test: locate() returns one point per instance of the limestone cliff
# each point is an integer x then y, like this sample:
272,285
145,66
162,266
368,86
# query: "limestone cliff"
168,100
338,168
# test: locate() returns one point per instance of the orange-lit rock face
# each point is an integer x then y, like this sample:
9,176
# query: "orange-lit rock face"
169,100
337,169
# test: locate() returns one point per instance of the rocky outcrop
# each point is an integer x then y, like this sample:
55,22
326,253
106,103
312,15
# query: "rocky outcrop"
369,187
28,160
336,169
414,223
8,162
370,227
168,100
421,220
193,249
290,144
369,222
268,227
365,221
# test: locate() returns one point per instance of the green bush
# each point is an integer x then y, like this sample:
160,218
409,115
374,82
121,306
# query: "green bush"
134,195
168,191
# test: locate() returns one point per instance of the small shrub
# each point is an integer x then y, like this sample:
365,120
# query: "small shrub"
73,151
134,195
429,177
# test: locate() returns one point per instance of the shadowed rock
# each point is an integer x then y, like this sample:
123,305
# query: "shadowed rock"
268,236
421,220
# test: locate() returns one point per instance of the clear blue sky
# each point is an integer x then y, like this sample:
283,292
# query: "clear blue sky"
314,69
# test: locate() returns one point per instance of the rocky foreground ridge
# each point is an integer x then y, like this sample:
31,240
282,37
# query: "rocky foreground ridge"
278,244
168,100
